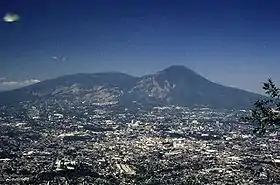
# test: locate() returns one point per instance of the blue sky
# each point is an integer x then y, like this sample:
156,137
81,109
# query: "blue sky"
233,42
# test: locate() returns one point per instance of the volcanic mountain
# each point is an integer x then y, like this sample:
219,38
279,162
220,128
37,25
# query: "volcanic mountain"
175,85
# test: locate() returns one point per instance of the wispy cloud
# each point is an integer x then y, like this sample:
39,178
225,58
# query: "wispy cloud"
9,85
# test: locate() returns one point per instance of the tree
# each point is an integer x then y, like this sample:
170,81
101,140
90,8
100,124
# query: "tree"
266,112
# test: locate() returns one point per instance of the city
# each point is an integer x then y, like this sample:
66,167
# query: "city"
109,144
139,92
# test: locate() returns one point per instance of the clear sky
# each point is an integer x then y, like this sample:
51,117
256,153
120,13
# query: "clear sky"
232,42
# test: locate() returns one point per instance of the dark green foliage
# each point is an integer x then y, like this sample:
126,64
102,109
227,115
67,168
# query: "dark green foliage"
266,112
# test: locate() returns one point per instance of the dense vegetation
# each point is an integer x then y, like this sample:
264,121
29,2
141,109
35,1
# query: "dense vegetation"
266,112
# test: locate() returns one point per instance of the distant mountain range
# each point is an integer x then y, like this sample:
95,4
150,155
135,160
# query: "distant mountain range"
175,85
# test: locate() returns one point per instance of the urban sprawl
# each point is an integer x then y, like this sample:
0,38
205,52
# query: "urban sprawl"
60,143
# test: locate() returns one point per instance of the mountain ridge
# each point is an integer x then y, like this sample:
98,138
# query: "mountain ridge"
175,85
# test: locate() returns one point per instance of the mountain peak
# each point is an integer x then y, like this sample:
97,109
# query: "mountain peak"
177,73
178,69
176,85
